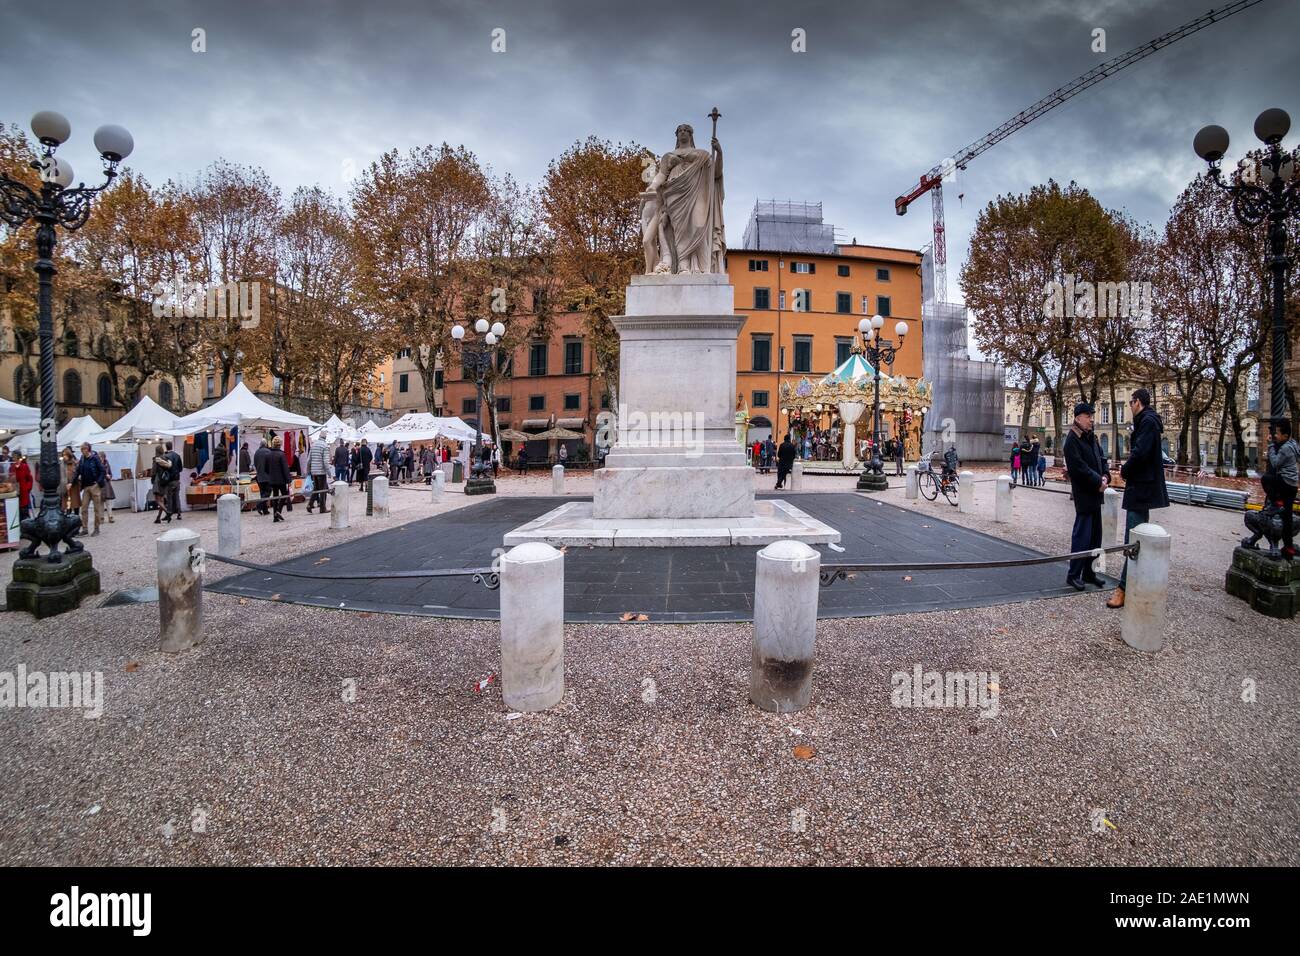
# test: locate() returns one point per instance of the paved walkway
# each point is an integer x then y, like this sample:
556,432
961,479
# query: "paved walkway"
667,584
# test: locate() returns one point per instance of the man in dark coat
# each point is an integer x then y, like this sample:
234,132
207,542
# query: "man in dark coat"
1089,478
1029,462
1143,474
784,461
364,457
277,473
262,473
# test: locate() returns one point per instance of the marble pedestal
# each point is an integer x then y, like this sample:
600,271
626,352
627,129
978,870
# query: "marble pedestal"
676,474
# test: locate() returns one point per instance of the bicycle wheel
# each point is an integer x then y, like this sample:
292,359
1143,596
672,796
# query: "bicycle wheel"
929,487
950,488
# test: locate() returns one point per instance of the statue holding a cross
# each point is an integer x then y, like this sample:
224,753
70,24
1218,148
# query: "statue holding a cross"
681,211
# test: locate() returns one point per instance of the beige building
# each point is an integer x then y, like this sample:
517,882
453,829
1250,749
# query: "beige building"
406,388
1113,424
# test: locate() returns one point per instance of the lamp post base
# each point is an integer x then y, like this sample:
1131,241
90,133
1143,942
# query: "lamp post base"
43,589
480,485
1270,585
872,481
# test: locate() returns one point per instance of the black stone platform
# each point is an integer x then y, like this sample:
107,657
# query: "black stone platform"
669,584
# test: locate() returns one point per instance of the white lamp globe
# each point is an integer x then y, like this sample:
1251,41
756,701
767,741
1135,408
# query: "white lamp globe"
490,339
900,329
871,333
458,332
51,128
481,326
864,325
877,321
62,173
114,142
498,329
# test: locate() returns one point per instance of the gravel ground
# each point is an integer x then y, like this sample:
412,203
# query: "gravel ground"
655,755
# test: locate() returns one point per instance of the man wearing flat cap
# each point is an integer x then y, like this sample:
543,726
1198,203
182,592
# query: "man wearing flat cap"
1089,478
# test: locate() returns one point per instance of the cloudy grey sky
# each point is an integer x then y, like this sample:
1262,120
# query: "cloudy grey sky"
886,89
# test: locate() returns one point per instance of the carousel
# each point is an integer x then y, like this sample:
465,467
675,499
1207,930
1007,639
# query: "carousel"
840,404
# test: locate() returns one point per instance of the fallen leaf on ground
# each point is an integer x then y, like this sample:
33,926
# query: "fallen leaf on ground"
643,617
322,560
132,666
994,688
907,577
627,616
275,596
243,600
804,752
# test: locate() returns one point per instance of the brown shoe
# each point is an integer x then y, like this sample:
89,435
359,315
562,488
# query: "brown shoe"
1116,599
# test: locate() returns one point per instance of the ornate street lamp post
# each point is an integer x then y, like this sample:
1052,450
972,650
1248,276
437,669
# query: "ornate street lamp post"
478,358
877,351
1267,190
46,590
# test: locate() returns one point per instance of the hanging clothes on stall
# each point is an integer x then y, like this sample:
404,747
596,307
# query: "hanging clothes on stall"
200,450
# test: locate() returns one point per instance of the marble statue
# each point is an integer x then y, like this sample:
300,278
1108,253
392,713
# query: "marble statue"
681,211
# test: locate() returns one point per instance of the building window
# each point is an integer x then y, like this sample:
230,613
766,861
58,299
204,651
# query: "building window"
104,389
572,402
239,378
883,306
71,387
803,353
866,305
604,400
759,400
165,395
503,404
803,300
212,385
762,298
469,406
757,265
762,353
403,353
843,302
842,271
1105,414
536,403
781,300
882,275
437,379
803,268
573,357
1119,412
71,348
537,359
843,349
403,382
781,355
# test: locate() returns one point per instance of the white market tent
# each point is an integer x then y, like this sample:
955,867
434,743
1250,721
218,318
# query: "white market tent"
417,427
77,430
18,418
241,409
334,429
147,421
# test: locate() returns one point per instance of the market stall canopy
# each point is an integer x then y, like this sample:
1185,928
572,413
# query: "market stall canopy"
417,427
18,418
240,408
334,429
76,431
854,370
147,421
510,434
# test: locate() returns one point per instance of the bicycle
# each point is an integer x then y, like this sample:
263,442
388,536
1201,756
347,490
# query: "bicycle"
931,485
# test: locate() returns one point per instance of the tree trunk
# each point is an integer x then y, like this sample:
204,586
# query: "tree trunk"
1030,391
1114,423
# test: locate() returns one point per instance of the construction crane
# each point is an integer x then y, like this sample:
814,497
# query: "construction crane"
932,181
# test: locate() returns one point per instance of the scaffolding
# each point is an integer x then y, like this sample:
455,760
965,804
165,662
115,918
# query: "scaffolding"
968,398
787,226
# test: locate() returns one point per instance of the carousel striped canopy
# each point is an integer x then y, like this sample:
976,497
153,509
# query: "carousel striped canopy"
854,370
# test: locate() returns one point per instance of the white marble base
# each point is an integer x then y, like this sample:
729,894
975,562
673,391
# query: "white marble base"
769,520
673,493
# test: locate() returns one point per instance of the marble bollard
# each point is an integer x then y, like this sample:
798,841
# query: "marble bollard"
532,627
1002,503
796,476
1109,528
785,626
229,534
438,485
557,480
1146,596
339,506
180,591
380,485
966,493
910,491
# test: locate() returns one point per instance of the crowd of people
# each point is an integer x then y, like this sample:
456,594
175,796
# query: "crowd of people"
1028,464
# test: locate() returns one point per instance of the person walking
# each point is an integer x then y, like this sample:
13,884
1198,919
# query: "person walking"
1015,463
22,473
1028,463
1040,463
318,457
107,490
1143,474
1281,478
171,488
899,453
522,461
277,473
245,460
90,478
262,470
341,461
784,461
364,457
159,469
1089,478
